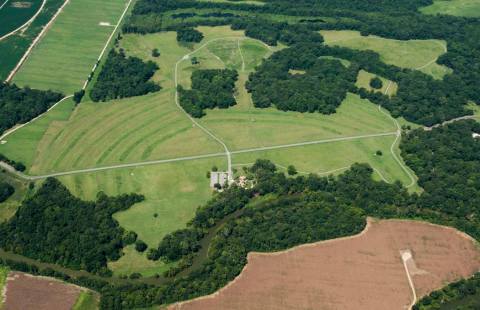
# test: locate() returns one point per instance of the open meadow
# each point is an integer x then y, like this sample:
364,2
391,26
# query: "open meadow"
467,8
172,193
351,272
64,58
413,54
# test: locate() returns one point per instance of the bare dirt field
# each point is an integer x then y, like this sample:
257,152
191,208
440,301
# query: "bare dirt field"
361,272
24,291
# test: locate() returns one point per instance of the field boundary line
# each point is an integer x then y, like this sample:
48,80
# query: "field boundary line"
35,41
107,43
28,22
12,130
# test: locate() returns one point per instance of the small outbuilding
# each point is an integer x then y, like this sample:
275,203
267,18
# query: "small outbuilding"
218,177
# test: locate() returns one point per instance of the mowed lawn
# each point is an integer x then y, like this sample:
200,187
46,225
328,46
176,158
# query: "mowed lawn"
413,54
64,58
388,87
121,131
173,192
467,8
333,158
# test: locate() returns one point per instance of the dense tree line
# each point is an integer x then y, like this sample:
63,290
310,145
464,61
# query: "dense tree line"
189,35
6,190
211,88
123,76
20,105
420,98
321,88
55,227
463,294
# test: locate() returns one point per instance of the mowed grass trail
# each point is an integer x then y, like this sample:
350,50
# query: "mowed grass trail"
467,8
172,191
412,54
64,58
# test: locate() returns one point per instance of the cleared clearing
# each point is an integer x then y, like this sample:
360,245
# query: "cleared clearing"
467,8
351,272
64,57
364,78
412,54
24,291
172,191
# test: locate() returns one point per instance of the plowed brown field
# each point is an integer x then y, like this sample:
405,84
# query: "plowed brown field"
25,292
360,272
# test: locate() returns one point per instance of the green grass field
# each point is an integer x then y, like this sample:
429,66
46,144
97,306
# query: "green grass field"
13,15
14,47
87,300
412,54
467,8
172,191
364,78
22,190
65,56
3,279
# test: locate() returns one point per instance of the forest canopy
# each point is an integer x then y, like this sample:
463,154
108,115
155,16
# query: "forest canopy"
20,105
123,77
54,226
211,88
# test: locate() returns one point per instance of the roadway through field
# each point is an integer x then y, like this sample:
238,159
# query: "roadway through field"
28,22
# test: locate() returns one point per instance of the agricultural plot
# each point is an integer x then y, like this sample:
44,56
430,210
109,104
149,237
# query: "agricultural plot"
467,8
86,301
14,47
64,58
353,271
24,291
14,14
3,279
413,54
22,190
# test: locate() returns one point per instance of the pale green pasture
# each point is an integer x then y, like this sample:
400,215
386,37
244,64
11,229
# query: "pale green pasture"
413,54
121,131
467,8
173,191
334,158
64,58
363,80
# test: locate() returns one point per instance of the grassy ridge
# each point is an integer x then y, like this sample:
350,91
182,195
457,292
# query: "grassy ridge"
412,54
64,58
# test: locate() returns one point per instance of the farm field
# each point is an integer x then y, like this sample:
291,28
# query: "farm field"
64,67
354,270
13,48
413,54
173,191
14,14
24,291
467,8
